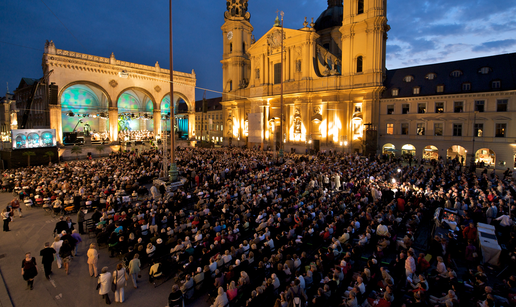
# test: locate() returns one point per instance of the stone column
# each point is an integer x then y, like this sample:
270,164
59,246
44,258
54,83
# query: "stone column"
56,121
113,124
191,125
156,117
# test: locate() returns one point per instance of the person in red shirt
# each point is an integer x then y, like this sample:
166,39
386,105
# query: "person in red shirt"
470,232
422,264
401,204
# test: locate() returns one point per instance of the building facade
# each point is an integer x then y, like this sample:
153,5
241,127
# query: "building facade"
38,115
208,125
462,109
318,86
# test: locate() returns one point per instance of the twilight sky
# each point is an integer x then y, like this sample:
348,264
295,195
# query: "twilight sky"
422,32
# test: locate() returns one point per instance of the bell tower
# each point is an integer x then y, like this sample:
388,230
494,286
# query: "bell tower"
237,36
364,35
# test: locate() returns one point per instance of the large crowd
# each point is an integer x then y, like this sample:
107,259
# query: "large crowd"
249,229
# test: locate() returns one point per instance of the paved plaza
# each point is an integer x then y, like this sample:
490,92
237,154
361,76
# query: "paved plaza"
28,234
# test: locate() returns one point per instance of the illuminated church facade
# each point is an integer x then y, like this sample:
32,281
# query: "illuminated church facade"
326,91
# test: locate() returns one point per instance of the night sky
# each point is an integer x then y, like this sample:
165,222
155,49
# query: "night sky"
422,32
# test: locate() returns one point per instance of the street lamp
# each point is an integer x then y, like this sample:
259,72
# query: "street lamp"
173,167
281,97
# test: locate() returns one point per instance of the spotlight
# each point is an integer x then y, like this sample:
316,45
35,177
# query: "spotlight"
393,180
399,170
70,114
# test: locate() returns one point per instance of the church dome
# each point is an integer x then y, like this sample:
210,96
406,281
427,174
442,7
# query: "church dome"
331,17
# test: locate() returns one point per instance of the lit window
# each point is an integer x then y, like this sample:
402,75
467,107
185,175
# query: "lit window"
457,129
496,84
390,109
421,108
404,129
395,92
466,86
277,73
430,76
478,130
390,128
456,73
458,106
408,79
500,130
479,105
420,129
438,129
484,70
415,90
440,88
439,107
501,105
405,108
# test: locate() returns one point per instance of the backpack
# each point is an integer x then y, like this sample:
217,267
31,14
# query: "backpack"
297,300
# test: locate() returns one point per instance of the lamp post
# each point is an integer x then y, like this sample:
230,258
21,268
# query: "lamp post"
173,167
281,91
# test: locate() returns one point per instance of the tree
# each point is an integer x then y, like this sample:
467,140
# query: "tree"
100,149
28,154
76,150
49,154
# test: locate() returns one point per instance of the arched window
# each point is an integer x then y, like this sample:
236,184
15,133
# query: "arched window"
360,7
230,47
359,64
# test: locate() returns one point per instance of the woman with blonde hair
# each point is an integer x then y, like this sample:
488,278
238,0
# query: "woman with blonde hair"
232,291
221,300
93,258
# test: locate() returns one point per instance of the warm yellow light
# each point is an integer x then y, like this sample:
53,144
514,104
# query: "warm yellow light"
266,135
345,143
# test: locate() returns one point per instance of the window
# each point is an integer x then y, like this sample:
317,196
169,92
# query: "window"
439,107
421,108
358,108
430,76
496,84
243,47
440,88
479,105
404,129
420,130
456,73
230,86
438,129
457,129
501,105
360,7
390,109
478,130
277,73
230,47
466,86
298,65
395,92
405,108
500,130
408,79
458,106
359,64
415,90
484,70
221,127
390,128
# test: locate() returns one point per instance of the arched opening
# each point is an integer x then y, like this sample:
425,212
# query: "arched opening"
181,109
408,149
457,152
389,149
431,152
135,115
485,157
84,110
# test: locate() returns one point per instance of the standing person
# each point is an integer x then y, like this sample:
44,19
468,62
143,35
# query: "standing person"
134,269
47,254
57,246
6,216
29,270
410,264
65,252
15,205
78,239
105,284
93,258
80,220
120,279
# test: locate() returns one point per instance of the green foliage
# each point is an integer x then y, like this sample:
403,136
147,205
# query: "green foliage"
76,150
100,149
28,154
49,154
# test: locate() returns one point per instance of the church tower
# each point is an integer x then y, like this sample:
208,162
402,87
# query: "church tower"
364,35
237,35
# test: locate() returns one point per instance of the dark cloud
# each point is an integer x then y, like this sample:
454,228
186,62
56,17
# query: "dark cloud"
494,45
